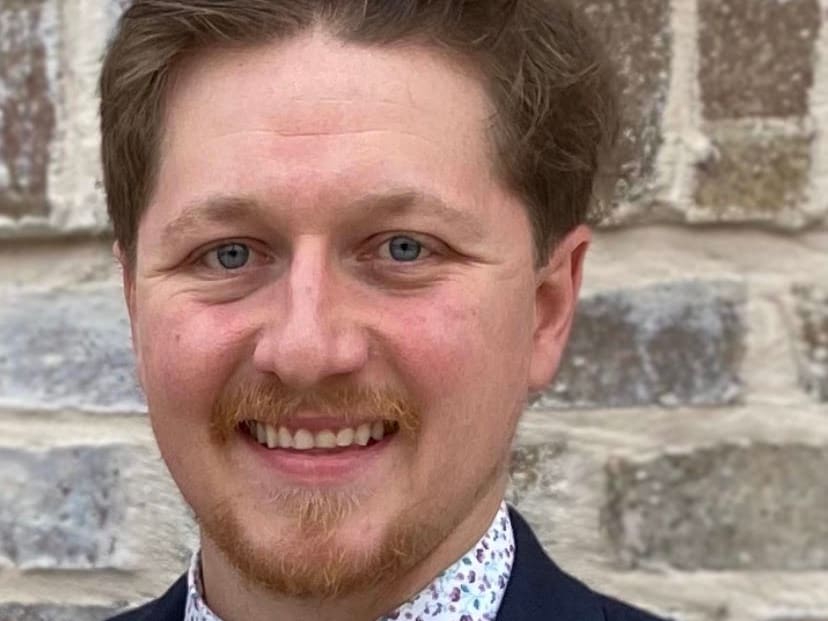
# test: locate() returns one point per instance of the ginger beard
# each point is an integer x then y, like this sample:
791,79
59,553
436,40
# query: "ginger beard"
308,561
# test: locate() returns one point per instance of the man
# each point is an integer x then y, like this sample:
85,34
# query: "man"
352,239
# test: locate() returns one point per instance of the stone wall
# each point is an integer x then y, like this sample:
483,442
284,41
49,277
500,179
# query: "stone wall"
679,460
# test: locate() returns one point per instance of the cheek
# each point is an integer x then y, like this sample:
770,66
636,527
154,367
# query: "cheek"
188,353
466,361
465,351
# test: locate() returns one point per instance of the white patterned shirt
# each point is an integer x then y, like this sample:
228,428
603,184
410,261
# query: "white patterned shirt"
470,590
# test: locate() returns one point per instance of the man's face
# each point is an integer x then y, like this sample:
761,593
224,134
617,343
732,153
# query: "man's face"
327,245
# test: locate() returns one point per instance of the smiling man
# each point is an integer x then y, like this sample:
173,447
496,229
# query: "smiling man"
352,239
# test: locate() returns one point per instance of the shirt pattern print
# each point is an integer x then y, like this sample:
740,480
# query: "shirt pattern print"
470,590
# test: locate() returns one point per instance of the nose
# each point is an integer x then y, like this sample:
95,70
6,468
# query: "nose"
311,333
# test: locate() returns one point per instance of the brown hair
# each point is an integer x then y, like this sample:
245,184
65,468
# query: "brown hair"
545,73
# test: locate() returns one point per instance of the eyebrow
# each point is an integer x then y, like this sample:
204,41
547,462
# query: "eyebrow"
217,209
404,201
226,209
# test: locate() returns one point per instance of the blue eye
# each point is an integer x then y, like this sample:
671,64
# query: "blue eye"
404,249
232,256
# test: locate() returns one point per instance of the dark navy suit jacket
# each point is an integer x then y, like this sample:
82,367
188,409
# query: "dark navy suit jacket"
537,591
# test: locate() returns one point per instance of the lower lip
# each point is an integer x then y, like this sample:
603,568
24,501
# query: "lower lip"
315,467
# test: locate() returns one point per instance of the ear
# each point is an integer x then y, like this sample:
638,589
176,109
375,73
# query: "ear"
128,277
556,296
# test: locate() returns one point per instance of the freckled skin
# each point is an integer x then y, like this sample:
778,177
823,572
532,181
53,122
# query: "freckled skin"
306,128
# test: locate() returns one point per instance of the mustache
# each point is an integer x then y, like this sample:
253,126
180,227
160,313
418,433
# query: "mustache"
273,403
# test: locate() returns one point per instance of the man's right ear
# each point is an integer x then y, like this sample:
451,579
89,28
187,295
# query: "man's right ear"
129,297
127,276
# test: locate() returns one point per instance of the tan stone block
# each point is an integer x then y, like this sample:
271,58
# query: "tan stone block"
756,172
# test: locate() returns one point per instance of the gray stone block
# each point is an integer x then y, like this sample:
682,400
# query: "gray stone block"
728,507
63,508
812,339
29,45
54,612
756,58
671,344
639,41
67,349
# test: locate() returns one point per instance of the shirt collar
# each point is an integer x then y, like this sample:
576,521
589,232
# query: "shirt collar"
469,590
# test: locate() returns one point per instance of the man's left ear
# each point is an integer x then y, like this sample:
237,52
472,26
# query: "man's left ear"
556,296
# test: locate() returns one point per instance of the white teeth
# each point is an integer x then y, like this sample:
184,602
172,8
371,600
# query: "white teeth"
363,434
285,438
325,439
345,437
272,437
303,440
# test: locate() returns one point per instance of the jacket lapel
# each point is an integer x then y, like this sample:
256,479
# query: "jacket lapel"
170,606
538,590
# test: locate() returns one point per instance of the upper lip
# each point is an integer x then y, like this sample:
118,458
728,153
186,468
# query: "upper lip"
317,423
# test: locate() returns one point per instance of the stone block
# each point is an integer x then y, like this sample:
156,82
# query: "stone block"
672,344
727,507
532,470
812,344
756,172
756,57
63,508
54,612
67,349
29,45
639,40
557,487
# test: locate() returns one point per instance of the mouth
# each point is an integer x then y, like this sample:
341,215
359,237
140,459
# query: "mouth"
314,452
331,439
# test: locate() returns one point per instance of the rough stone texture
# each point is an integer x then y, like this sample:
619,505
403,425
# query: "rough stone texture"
729,507
49,612
736,504
672,344
28,45
67,349
754,173
63,508
639,41
812,314
756,56
532,470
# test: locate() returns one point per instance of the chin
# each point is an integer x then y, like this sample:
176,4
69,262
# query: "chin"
318,553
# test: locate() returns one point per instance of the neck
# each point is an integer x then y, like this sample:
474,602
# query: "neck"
233,598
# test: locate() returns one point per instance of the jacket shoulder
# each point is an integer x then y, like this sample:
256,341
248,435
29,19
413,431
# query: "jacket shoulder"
619,611
539,590
168,607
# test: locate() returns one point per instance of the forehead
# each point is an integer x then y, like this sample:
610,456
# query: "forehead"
313,121
315,68
314,85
